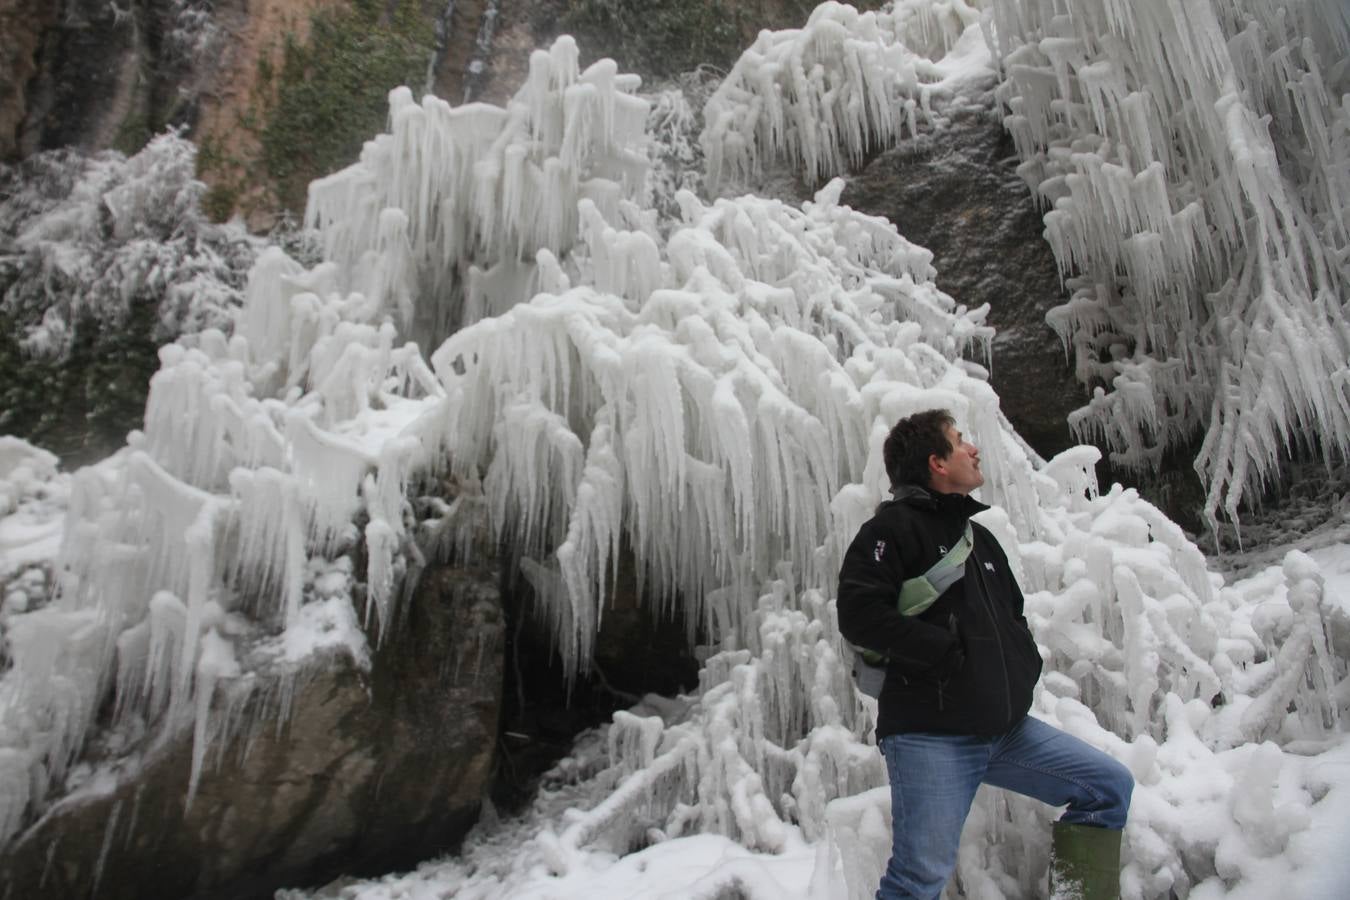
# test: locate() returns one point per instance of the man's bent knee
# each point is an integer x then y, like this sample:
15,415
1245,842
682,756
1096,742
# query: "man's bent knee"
1112,786
1118,785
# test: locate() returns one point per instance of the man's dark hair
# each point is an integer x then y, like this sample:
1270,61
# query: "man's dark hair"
910,443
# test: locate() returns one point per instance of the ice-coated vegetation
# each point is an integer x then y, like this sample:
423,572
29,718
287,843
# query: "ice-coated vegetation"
710,391
83,238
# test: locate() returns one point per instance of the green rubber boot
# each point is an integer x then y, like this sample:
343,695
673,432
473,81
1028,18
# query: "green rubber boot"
1084,863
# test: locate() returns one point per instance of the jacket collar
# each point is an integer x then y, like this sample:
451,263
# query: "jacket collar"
921,497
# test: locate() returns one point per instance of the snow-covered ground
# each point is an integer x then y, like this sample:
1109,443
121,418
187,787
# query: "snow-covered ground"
1334,561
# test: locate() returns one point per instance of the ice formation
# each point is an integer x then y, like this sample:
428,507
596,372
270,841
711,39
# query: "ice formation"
1194,166
711,392
480,190
822,96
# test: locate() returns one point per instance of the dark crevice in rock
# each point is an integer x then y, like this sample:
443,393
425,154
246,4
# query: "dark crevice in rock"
639,650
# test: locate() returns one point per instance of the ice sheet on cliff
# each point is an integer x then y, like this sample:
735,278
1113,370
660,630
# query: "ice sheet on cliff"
714,394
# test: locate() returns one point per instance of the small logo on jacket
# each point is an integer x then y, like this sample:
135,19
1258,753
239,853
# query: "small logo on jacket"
990,567
879,551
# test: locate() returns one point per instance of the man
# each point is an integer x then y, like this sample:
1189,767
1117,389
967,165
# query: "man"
959,676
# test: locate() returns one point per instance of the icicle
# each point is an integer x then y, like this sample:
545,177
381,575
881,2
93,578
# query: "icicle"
109,829
477,185
266,318
16,778
329,470
271,555
217,662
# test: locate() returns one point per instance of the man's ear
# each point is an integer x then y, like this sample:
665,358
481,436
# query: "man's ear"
936,465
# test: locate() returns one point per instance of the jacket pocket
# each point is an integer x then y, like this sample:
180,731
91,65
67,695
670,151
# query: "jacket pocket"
1026,655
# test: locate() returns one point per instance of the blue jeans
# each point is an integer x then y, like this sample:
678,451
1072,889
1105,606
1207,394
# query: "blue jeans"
934,778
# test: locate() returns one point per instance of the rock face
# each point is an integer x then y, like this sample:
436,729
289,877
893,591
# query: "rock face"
22,25
92,75
372,772
956,192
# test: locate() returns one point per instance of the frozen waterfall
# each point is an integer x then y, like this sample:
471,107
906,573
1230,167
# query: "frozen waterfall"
499,301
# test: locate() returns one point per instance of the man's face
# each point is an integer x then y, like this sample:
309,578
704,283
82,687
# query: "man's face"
960,472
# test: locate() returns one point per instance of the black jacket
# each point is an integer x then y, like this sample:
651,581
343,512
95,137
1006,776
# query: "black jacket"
991,691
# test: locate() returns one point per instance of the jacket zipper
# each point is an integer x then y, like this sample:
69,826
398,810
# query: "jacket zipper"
942,683
993,619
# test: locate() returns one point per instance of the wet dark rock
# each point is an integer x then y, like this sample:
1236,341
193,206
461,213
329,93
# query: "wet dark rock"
22,26
955,190
104,74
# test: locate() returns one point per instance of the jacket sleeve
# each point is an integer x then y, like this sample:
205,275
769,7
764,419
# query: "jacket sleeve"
869,588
